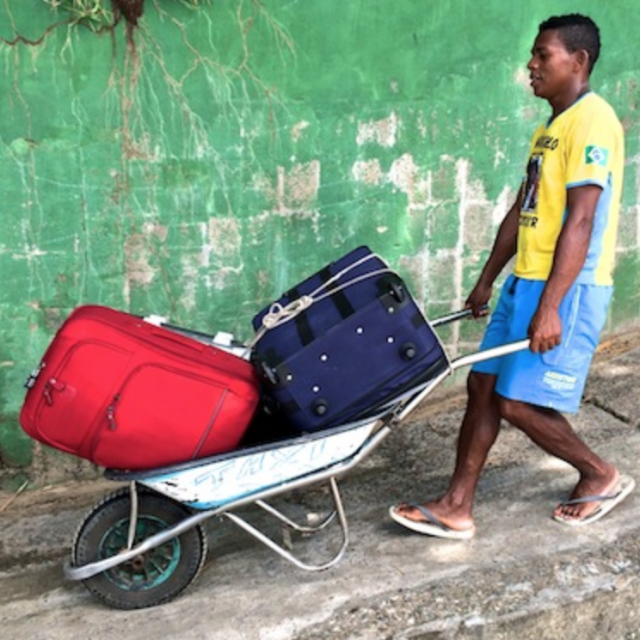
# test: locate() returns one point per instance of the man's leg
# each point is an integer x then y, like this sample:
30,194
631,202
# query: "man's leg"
551,431
478,432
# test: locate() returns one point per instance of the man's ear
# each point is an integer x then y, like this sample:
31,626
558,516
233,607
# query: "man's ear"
582,59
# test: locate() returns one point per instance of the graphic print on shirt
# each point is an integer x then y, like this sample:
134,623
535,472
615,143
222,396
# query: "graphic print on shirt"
532,184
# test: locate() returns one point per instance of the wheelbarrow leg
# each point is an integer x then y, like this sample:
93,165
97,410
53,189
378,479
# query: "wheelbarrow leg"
301,528
287,555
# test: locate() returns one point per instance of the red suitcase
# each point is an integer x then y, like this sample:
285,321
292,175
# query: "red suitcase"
127,394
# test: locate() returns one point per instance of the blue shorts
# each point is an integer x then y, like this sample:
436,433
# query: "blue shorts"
556,378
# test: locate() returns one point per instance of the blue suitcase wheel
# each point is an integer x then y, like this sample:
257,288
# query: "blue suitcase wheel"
408,351
397,291
320,407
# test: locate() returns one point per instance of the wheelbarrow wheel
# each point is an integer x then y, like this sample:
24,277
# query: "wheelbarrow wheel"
153,577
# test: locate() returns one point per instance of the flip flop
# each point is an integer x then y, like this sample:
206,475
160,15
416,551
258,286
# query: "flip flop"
432,526
608,502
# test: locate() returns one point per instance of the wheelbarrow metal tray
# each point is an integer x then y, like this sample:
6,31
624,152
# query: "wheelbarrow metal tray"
225,479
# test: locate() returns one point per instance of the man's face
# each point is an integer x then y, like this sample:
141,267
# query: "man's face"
552,68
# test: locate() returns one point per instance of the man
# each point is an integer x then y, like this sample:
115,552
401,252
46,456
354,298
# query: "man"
562,229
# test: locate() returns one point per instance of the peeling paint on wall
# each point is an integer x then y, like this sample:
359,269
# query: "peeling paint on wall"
383,132
140,250
224,238
294,192
297,130
368,172
405,175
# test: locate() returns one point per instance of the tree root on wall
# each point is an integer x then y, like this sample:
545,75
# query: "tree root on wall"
130,10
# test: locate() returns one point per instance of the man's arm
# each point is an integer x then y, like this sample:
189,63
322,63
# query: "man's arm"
545,330
504,248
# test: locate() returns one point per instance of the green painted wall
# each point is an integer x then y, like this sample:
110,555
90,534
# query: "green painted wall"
204,165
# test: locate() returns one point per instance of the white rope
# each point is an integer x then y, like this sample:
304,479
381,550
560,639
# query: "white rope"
344,271
279,314
344,285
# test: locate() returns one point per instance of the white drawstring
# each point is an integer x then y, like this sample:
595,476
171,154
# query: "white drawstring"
279,314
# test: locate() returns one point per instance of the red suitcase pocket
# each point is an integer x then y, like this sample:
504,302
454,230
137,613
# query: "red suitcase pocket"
65,397
163,415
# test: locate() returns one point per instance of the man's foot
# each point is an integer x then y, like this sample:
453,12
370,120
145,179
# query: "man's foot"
592,500
433,520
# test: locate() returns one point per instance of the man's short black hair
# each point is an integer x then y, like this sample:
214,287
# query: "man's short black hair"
576,32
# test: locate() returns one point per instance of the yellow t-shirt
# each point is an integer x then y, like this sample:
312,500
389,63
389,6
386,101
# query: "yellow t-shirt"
583,145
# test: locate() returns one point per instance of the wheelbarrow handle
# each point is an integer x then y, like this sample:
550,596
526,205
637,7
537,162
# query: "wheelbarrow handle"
456,315
487,354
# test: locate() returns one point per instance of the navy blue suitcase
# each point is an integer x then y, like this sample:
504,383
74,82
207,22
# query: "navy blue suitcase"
344,343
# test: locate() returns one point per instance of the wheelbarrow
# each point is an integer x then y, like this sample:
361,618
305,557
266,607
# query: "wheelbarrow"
145,543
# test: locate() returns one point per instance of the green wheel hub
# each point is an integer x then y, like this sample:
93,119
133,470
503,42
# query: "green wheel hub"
147,570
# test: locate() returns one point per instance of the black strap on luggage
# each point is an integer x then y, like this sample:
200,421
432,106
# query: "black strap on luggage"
339,299
305,332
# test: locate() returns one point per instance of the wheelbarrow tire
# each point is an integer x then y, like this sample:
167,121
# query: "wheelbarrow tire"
152,578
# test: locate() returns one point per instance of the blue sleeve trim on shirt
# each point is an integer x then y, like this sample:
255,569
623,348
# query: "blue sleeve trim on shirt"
583,183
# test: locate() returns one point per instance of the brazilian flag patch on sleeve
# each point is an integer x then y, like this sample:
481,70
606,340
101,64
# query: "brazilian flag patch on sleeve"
597,155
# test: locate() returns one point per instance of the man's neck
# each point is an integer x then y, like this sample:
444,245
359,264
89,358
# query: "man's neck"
562,103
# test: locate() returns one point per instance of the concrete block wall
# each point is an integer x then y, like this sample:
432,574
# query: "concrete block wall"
201,163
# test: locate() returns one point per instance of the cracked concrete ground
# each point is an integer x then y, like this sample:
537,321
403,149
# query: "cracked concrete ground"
522,576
